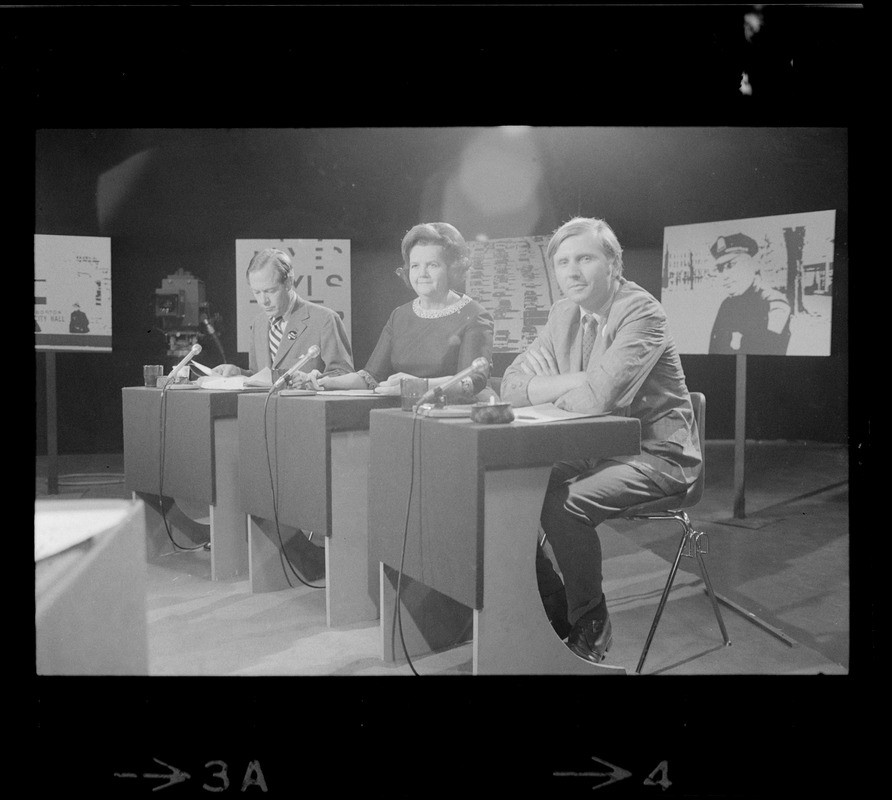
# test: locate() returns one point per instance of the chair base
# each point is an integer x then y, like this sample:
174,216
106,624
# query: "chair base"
690,546
756,620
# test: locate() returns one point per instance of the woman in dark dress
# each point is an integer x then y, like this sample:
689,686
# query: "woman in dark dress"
440,332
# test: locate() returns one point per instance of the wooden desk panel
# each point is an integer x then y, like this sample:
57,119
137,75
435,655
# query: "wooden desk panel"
200,465
318,451
476,496
445,542
298,434
188,440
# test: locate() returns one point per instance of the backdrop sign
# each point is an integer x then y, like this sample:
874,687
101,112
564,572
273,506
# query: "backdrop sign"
72,293
510,278
759,286
321,275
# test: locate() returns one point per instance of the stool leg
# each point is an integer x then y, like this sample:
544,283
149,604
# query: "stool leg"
715,604
653,627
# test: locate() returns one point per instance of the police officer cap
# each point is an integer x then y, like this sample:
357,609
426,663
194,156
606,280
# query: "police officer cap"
733,244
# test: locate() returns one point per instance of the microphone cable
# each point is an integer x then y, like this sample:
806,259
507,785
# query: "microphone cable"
163,426
397,609
283,556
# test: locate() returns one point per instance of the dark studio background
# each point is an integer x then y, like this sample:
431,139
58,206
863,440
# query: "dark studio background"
667,146
259,126
194,192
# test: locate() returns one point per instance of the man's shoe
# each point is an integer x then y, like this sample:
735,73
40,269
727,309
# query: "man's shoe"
556,611
591,638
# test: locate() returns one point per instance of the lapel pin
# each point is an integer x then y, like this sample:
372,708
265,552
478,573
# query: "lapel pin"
292,335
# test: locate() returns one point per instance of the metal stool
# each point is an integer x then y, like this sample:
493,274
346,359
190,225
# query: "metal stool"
693,544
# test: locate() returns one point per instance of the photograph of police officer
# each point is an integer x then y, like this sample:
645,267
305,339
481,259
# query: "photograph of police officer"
753,318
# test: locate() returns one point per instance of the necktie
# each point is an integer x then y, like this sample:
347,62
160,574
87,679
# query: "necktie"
275,336
588,338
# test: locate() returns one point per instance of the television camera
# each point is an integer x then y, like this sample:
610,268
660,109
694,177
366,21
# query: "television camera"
182,314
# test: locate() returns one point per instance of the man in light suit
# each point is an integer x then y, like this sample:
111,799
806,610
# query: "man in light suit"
288,325
605,349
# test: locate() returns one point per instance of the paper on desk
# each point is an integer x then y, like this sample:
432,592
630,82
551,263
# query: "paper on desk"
387,391
218,382
548,412
202,368
381,391
263,378
445,411
259,380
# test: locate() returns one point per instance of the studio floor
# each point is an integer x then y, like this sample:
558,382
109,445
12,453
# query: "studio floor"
784,564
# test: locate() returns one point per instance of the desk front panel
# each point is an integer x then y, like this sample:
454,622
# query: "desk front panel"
444,546
296,444
188,440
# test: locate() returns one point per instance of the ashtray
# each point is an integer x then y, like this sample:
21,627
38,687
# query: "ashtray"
492,413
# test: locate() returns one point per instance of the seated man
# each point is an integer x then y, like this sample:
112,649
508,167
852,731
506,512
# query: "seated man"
606,348
287,325
285,328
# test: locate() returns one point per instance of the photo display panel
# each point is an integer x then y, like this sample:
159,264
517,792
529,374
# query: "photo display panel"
72,293
758,286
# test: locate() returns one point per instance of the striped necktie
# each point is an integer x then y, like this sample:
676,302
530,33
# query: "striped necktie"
275,336
590,321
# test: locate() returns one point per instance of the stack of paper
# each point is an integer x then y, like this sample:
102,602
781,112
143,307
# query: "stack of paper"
388,391
259,380
548,412
428,410
379,391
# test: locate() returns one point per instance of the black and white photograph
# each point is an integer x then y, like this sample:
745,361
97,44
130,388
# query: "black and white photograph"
506,346
766,284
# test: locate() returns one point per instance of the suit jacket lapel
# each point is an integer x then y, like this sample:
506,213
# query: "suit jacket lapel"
294,327
261,343
568,345
604,335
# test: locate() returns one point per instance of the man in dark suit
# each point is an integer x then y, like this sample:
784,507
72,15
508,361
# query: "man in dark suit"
287,325
753,318
605,349
78,322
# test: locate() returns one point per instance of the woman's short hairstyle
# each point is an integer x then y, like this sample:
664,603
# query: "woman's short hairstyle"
602,231
278,258
455,250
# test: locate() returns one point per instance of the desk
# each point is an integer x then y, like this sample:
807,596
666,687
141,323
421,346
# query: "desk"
319,450
200,465
473,527
90,599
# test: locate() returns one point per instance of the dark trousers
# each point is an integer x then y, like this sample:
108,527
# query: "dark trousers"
581,495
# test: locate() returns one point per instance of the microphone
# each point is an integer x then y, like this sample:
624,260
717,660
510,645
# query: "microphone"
431,395
174,373
301,362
